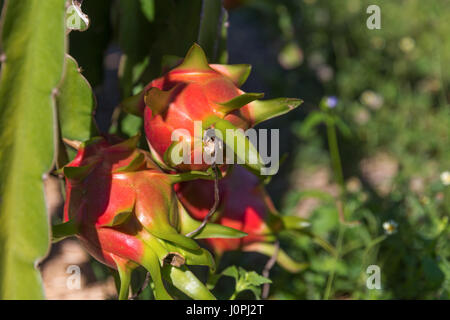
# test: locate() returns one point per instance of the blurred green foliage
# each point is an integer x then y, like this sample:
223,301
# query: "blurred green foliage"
393,121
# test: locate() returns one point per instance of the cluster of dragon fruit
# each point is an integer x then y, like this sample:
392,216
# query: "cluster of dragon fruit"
134,208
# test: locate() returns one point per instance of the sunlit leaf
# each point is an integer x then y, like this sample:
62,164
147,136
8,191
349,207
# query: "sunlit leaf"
33,42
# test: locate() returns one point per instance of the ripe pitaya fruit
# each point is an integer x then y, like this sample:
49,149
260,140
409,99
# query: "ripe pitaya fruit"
125,212
198,91
244,205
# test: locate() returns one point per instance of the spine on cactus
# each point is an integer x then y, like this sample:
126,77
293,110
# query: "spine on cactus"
208,93
244,205
123,209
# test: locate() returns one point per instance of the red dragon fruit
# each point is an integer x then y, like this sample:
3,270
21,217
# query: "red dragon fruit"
244,205
198,91
125,212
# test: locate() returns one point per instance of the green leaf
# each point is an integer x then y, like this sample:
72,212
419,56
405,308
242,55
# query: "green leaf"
76,105
256,291
245,152
133,105
246,280
231,271
283,260
214,230
170,234
255,279
262,110
250,281
210,230
78,173
158,100
239,101
148,9
189,176
238,73
33,43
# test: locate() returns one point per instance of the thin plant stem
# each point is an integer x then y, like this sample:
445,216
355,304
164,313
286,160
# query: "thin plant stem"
340,204
332,274
269,265
337,170
335,157
215,205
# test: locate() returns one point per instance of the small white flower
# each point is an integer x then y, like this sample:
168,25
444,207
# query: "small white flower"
445,178
390,227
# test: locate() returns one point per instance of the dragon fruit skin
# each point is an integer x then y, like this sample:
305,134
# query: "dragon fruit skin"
126,215
198,91
244,205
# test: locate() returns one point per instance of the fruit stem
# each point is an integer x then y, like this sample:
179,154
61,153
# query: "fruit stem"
215,205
